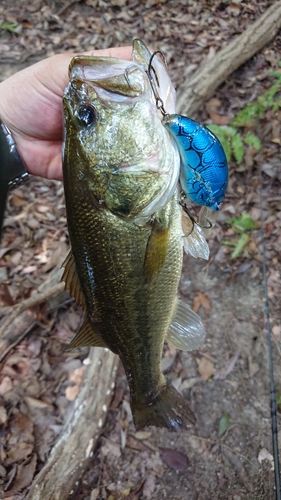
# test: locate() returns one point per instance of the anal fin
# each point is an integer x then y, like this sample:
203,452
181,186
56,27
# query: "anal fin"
186,331
87,336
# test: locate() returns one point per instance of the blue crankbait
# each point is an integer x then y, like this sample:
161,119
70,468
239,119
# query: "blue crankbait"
204,170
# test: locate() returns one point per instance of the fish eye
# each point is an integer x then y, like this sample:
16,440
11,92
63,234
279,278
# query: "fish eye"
86,115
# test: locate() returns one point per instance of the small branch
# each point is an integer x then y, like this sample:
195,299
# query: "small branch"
28,304
14,344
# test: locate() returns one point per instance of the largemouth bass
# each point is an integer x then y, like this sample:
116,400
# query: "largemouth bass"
121,170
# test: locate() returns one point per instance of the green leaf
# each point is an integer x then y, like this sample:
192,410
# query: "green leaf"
245,116
241,243
237,147
252,140
228,243
243,223
6,25
224,424
258,108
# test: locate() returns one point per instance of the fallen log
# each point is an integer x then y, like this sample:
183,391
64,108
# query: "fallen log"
202,85
74,448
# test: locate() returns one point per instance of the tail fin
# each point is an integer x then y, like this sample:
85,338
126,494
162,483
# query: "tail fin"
168,409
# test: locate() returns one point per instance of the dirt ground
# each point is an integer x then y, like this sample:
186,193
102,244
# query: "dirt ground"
228,454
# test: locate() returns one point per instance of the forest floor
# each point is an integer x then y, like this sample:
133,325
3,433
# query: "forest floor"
228,454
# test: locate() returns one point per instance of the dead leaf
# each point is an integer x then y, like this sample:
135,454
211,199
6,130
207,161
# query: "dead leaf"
17,201
5,296
205,367
265,455
201,299
5,386
25,474
112,448
174,459
3,415
134,495
149,486
276,330
20,451
71,392
37,403
23,424
76,377
219,119
142,435
228,367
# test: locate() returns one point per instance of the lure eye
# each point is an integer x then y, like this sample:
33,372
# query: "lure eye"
86,115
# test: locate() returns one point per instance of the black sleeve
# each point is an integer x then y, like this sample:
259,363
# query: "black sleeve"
12,168
4,171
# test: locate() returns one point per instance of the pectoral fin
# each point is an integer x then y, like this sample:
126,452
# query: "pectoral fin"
194,241
87,336
186,331
71,279
155,251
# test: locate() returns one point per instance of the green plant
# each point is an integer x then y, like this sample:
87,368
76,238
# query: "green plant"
234,141
7,26
241,225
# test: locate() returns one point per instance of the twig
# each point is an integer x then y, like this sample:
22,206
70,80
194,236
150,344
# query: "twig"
66,6
14,344
28,304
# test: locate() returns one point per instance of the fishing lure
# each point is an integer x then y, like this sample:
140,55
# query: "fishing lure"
204,169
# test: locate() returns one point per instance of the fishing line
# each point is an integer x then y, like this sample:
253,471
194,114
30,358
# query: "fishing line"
273,406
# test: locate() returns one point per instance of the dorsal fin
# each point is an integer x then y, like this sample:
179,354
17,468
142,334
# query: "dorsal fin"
155,251
186,331
87,336
71,279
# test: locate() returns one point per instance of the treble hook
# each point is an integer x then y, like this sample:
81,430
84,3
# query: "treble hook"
150,69
192,218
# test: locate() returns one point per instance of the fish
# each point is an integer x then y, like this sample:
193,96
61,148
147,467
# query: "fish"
121,170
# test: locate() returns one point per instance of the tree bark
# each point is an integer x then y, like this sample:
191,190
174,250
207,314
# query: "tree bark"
71,454
207,79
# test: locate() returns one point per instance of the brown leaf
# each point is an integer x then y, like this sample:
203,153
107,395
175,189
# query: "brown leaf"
3,415
174,459
17,201
22,423
20,451
219,119
134,495
6,385
201,299
5,296
25,474
205,367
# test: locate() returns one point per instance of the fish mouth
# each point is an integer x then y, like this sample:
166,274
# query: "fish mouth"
113,75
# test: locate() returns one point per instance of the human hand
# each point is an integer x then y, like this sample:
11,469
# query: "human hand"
31,106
